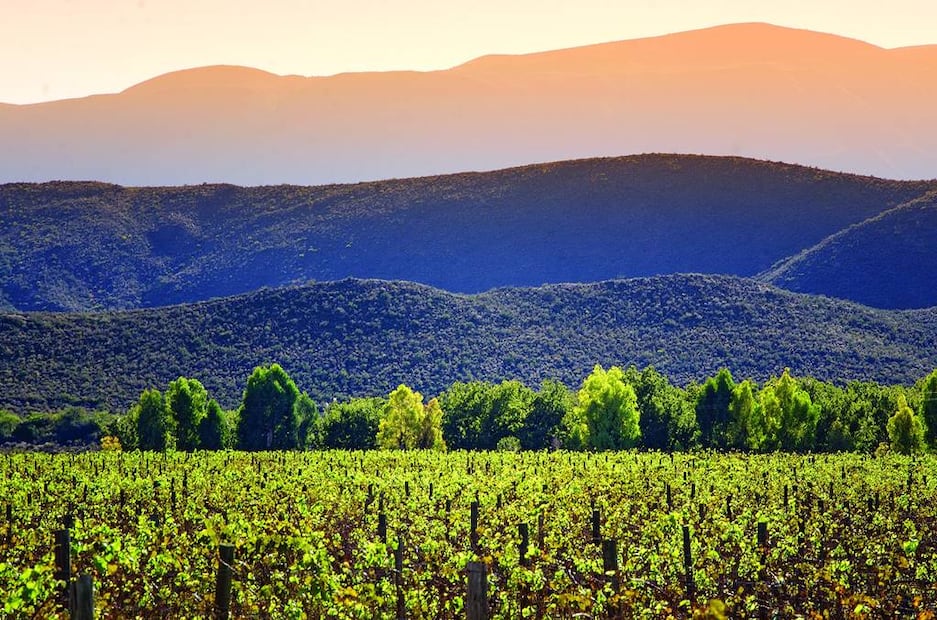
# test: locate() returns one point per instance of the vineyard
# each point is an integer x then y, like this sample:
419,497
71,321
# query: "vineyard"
388,534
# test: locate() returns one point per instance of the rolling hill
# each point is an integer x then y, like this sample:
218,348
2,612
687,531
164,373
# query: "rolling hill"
367,336
889,260
752,90
94,246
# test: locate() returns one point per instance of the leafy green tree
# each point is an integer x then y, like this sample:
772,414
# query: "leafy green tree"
351,425
712,409
267,416
431,427
77,425
741,414
929,408
649,387
215,432
606,415
543,423
799,415
8,423
466,407
906,430
406,424
870,405
833,431
508,444
308,415
764,422
683,429
155,425
509,404
838,438
666,420
187,400
125,429
868,433
785,417
476,415
35,428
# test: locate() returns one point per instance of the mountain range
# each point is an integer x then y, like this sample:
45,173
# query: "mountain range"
745,89
125,262
70,246
849,264
364,337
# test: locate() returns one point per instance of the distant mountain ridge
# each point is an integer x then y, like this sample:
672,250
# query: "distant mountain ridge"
367,336
888,260
95,246
753,90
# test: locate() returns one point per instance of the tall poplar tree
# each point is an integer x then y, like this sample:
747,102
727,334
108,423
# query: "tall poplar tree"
155,426
187,401
268,419
905,429
929,409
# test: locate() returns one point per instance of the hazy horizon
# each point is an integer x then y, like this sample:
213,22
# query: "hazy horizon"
753,90
56,49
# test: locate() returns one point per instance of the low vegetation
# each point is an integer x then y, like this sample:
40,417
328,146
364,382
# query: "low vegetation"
390,533
364,338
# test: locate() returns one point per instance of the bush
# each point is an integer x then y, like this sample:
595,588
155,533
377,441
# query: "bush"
509,444
109,443
8,423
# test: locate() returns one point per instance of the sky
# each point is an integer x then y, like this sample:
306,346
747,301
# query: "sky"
57,49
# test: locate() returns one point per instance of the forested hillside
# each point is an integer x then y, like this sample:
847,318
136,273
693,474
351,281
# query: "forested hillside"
889,260
361,338
85,246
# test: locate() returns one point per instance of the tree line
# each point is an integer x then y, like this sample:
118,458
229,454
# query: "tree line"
613,409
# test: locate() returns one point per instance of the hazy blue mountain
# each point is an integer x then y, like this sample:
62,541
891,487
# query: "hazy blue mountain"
887,261
81,246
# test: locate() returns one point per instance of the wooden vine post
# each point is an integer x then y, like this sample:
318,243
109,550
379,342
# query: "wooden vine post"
688,563
63,561
596,527
223,582
398,579
83,603
476,601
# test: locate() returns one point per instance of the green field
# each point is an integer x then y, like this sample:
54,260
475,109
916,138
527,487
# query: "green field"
855,538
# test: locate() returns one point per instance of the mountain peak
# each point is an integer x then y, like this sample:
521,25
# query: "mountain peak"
711,47
212,78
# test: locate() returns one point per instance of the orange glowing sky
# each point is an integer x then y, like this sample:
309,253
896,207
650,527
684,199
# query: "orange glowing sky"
54,49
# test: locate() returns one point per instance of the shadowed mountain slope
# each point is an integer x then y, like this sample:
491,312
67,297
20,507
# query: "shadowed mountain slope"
80,246
887,261
745,89
366,337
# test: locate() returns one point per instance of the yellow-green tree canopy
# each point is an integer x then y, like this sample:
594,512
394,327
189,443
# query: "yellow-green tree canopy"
606,416
905,429
407,424
929,408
